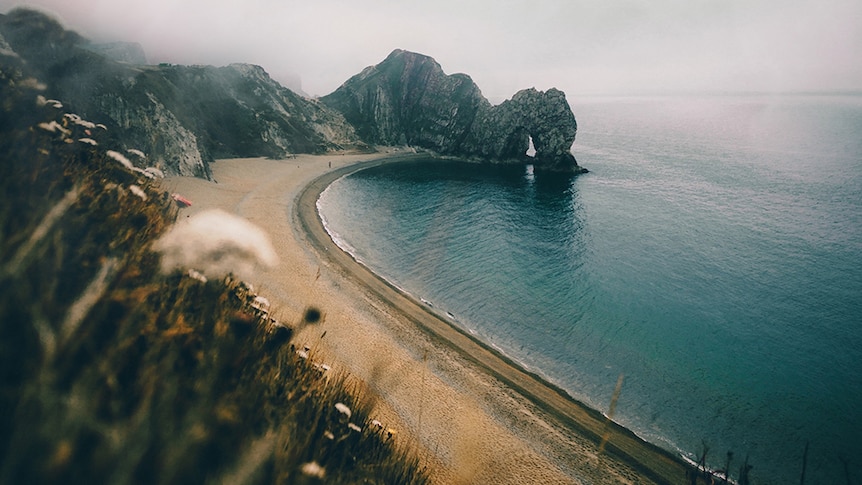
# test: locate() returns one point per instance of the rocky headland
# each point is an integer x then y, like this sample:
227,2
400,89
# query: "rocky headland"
408,100
181,117
184,117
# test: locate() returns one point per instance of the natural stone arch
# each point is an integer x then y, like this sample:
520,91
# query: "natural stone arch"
503,132
531,148
409,99
516,144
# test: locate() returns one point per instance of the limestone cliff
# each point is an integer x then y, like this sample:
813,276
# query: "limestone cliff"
182,117
503,132
408,100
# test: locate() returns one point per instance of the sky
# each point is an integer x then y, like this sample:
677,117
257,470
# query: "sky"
584,47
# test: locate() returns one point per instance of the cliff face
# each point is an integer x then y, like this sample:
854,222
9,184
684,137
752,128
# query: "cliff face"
503,132
181,117
408,100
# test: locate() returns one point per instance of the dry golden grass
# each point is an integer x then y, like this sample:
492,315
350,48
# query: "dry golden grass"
112,372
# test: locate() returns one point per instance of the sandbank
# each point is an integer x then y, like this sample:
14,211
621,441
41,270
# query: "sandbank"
473,415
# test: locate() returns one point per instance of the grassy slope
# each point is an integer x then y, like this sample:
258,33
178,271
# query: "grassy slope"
113,372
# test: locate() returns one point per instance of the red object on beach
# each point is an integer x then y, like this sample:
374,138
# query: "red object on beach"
181,201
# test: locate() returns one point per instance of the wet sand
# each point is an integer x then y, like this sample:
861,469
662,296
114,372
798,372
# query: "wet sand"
473,415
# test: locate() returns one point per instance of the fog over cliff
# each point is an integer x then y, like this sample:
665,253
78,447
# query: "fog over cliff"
579,46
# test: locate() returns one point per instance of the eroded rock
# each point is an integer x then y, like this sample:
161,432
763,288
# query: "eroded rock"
408,100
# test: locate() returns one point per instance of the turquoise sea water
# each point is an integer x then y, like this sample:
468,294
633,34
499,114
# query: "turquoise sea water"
713,257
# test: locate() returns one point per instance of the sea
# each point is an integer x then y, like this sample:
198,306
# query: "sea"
712,258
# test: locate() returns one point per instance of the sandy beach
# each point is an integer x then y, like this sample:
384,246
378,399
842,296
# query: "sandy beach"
473,415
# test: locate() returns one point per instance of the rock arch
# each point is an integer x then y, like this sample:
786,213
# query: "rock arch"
408,98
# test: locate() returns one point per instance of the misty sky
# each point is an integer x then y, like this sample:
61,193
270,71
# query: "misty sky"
579,46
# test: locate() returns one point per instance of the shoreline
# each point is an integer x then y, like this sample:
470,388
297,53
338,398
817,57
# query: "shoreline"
655,462
487,419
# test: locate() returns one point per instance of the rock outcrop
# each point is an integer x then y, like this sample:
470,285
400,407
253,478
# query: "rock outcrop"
503,132
182,117
408,100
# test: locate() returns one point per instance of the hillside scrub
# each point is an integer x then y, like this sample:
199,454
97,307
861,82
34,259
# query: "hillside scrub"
113,371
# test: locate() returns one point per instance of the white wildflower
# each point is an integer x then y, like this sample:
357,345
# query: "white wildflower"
129,165
136,152
155,172
216,243
54,127
149,175
120,158
343,409
79,121
312,469
88,141
354,427
138,191
195,275
259,303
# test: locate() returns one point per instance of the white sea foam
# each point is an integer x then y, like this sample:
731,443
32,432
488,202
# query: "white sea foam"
336,238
